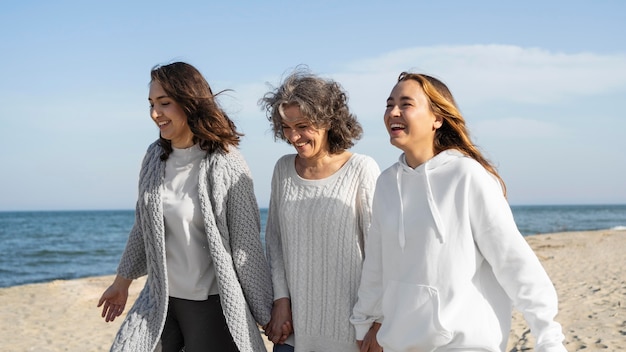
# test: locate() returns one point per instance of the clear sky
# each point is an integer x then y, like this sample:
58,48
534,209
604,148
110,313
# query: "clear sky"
541,84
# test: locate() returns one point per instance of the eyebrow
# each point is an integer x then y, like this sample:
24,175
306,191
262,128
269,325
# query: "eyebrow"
404,97
159,97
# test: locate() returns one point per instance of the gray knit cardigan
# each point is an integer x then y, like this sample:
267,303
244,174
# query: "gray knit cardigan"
232,224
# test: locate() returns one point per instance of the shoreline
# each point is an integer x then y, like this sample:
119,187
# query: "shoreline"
586,267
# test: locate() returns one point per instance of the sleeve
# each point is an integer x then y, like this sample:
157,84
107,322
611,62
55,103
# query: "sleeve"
133,263
369,175
273,243
516,267
368,308
247,251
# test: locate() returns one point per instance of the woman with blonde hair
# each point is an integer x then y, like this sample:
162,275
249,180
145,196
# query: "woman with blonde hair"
444,260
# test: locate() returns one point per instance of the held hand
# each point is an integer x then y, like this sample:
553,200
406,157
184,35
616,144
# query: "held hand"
369,342
280,325
286,331
114,299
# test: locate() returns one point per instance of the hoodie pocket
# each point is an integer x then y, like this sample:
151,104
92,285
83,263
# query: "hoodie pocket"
411,318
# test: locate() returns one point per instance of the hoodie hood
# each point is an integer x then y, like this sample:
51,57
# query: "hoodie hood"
426,168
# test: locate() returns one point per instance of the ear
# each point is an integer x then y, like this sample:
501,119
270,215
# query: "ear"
438,122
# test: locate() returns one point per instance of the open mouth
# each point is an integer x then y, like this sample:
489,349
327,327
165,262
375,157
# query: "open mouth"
397,127
163,123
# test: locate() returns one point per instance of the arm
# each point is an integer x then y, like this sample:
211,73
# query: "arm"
281,311
369,174
133,263
244,228
515,265
368,309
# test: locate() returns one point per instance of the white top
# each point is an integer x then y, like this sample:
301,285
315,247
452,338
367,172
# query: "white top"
445,261
315,235
190,270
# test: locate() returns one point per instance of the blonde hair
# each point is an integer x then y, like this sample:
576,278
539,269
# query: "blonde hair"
453,133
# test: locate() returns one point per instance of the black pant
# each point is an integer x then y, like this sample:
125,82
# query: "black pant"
196,326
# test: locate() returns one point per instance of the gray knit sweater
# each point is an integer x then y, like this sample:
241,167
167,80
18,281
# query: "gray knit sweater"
231,221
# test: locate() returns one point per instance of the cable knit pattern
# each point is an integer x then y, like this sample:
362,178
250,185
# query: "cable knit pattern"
315,234
232,224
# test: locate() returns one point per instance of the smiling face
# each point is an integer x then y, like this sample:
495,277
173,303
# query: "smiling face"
169,117
410,122
310,142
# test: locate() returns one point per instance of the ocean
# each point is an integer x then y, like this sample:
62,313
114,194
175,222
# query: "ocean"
40,246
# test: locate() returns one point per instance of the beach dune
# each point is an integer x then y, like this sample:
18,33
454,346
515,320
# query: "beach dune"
587,269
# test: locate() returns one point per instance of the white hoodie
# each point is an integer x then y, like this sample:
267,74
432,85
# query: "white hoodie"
445,262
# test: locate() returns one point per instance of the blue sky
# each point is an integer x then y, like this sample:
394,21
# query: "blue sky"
541,84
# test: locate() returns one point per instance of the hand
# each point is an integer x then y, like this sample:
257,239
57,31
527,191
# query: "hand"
369,342
280,325
114,299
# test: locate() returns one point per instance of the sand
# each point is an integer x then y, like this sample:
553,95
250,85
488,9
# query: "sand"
587,268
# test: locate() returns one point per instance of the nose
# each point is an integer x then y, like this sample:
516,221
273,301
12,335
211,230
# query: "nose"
154,113
292,135
394,111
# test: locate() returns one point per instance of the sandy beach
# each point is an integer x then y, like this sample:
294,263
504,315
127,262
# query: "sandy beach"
588,270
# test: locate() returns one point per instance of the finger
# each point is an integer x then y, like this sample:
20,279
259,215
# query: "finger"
105,309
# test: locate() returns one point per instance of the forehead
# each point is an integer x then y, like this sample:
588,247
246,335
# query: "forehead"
408,89
156,90
291,114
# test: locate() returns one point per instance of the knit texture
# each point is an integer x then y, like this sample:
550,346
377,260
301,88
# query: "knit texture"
315,235
232,224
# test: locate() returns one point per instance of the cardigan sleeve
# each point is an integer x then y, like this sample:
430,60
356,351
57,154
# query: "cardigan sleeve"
247,251
133,263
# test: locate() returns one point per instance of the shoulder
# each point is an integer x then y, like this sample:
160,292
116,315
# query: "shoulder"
153,150
365,167
227,164
365,162
285,162
391,171
476,174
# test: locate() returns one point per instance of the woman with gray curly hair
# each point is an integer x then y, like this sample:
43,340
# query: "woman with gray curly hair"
319,213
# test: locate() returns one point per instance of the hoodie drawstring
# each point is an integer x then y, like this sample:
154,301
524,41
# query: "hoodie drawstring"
433,207
401,236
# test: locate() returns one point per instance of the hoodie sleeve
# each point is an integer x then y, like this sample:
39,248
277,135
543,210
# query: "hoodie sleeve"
368,308
515,265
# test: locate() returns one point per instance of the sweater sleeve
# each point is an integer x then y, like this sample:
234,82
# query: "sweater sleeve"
273,243
368,308
247,251
369,174
515,265
133,263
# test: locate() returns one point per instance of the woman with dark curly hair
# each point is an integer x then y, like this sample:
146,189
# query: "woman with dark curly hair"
196,233
318,216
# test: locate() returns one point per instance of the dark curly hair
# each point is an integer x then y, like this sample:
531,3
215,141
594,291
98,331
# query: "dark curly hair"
321,101
212,129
